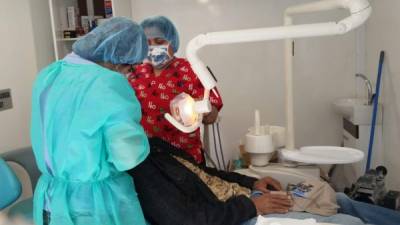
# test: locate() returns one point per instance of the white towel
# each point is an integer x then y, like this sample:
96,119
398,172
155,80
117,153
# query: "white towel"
283,221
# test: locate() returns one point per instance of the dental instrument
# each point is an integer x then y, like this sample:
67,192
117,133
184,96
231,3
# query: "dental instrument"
221,151
215,148
360,10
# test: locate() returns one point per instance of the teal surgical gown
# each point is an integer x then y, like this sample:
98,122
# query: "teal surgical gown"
85,132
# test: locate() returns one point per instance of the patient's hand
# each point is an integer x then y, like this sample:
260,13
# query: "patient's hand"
272,203
267,184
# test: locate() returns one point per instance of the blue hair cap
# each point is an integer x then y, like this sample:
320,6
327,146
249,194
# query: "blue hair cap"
161,27
117,41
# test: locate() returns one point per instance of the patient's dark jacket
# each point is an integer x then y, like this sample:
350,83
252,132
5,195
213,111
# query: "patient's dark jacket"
171,194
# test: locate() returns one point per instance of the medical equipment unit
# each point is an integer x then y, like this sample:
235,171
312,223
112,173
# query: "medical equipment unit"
262,141
370,188
360,10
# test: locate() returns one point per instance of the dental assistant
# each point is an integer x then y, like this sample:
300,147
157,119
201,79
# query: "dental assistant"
86,132
161,79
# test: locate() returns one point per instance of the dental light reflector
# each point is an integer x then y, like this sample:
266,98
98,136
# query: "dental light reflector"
187,112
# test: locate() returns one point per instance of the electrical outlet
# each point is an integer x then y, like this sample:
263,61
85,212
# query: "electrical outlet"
5,99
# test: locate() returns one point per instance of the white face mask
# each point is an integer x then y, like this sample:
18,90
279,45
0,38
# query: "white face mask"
158,56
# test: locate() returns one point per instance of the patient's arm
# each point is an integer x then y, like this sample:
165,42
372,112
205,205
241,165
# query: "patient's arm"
158,145
242,180
164,202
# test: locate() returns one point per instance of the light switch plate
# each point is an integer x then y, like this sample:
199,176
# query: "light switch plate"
5,99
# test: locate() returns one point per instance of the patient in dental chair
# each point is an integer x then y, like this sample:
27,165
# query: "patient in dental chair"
174,190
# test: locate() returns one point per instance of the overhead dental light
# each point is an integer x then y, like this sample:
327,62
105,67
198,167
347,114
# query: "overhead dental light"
187,114
360,10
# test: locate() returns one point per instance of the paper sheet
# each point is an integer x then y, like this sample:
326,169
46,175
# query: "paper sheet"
284,221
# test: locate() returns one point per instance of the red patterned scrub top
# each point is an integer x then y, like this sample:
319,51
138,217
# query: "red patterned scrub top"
155,93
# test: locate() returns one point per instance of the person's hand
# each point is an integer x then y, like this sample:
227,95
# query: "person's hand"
269,203
266,184
211,117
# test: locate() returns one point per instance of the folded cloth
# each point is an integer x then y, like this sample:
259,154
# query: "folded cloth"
283,221
315,197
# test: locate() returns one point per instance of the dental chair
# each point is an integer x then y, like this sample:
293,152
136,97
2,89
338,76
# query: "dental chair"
18,175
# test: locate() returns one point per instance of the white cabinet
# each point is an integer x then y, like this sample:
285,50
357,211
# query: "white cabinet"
357,136
63,29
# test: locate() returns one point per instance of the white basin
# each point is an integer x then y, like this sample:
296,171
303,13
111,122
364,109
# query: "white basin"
356,110
346,106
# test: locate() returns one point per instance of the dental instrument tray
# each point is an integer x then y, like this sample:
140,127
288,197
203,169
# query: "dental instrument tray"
323,155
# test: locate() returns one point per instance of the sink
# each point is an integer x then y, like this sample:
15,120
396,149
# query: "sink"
356,110
347,106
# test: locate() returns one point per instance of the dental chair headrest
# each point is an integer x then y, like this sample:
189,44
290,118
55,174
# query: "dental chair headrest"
10,188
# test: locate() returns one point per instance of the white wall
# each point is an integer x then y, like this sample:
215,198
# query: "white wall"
251,75
122,8
18,68
383,33
40,20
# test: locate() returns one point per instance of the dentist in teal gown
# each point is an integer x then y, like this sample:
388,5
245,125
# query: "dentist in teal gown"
85,131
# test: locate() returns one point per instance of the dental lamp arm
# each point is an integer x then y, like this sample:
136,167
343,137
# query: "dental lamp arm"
360,11
236,37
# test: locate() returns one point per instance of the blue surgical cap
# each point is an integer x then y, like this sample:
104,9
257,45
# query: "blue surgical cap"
117,41
161,27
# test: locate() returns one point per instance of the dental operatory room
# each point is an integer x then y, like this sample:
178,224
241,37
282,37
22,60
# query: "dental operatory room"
200,112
